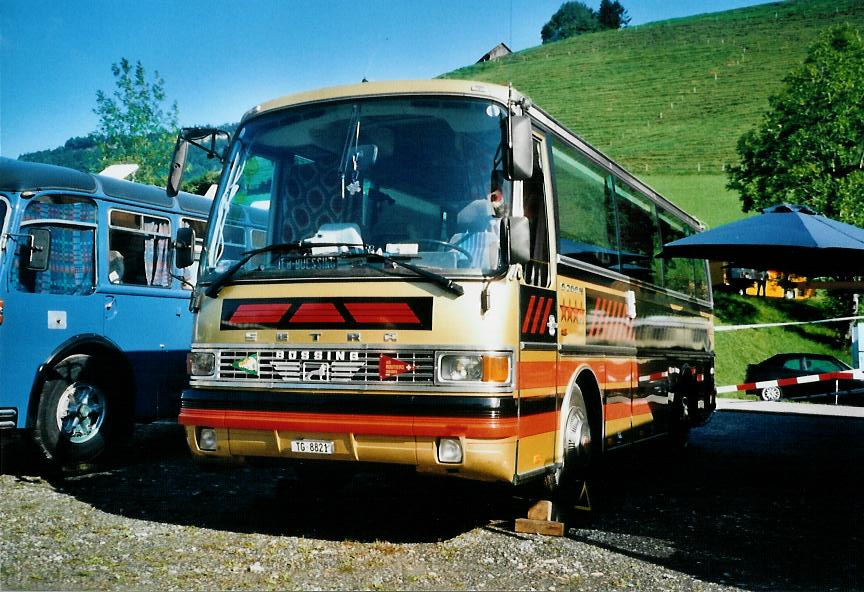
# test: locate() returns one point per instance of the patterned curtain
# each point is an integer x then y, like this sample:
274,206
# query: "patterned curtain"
156,262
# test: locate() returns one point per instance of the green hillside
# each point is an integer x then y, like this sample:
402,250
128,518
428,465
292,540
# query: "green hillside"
673,97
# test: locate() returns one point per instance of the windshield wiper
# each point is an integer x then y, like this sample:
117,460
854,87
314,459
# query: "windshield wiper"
223,278
435,278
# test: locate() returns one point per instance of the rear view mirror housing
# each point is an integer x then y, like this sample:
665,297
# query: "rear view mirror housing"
37,252
518,140
184,248
196,137
178,163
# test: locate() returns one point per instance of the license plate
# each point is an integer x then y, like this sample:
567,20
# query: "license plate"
312,446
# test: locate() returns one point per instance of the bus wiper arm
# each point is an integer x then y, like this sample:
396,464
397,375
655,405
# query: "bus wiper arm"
223,278
436,278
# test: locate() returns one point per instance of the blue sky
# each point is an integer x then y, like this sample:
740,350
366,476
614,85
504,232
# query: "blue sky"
218,58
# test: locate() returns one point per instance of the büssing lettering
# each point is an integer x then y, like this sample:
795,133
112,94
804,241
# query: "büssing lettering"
320,355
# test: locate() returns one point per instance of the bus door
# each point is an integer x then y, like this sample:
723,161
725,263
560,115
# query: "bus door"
143,313
538,376
45,309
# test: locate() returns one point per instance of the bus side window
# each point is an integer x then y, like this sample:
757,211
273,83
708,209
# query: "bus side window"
678,274
534,206
138,250
637,233
585,209
72,224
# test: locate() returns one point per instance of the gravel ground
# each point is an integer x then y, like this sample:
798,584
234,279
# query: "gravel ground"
756,502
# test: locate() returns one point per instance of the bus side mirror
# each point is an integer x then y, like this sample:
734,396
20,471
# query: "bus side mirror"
519,140
184,247
178,163
518,239
38,249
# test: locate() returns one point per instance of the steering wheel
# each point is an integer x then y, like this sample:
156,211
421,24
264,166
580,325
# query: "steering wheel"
440,243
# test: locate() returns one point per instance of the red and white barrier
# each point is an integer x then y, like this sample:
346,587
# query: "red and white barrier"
661,375
752,386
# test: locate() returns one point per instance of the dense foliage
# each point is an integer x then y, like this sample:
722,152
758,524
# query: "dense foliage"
133,125
809,148
573,18
612,15
79,153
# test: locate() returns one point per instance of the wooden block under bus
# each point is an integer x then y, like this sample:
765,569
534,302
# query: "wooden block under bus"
542,510
547,527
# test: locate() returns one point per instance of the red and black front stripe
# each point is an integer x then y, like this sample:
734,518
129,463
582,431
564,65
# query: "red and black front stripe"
327,313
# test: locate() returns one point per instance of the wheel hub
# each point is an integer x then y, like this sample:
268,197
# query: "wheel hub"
80,412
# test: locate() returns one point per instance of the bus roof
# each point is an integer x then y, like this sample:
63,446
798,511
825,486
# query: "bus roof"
389,88
20,176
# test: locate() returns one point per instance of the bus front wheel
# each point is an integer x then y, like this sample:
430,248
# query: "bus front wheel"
577,443
77,415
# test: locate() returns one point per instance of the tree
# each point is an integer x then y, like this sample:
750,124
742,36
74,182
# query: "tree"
809,148
133,127
612,15
573,18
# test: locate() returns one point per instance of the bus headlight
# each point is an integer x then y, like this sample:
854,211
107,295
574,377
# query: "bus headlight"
200,363
460,367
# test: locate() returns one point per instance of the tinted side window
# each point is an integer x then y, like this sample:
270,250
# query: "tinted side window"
587,220
678,274
72,224
820,365
534,205
638,234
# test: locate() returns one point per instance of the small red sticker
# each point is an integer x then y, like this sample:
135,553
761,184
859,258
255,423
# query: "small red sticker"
388,367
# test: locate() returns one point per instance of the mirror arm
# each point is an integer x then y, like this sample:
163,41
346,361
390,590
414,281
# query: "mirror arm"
211,150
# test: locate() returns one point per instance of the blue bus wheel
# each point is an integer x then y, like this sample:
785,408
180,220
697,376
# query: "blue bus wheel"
76,413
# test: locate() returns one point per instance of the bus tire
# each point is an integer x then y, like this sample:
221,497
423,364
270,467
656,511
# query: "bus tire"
679,421
79,413
578,448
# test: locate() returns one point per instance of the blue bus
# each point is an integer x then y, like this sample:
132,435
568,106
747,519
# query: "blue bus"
94,315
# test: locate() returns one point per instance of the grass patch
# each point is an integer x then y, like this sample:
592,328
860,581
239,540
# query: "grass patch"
703,196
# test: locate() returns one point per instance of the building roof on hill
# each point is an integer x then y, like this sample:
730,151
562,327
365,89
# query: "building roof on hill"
496,52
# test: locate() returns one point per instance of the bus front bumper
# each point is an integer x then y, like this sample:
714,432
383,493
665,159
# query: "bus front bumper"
260,425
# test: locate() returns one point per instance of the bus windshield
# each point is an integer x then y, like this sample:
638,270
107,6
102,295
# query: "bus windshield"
415,179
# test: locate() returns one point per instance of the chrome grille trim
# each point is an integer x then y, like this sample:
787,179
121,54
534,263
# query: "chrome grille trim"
353,367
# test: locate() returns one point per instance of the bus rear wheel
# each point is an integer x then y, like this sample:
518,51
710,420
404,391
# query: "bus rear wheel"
78,415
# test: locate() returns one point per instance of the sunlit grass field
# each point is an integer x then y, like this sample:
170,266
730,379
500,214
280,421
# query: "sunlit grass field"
671,96
703,196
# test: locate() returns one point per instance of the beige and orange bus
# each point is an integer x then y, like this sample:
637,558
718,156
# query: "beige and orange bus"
438,274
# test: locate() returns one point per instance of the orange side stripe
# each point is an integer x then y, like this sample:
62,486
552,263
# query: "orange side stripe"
541,423
537,375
